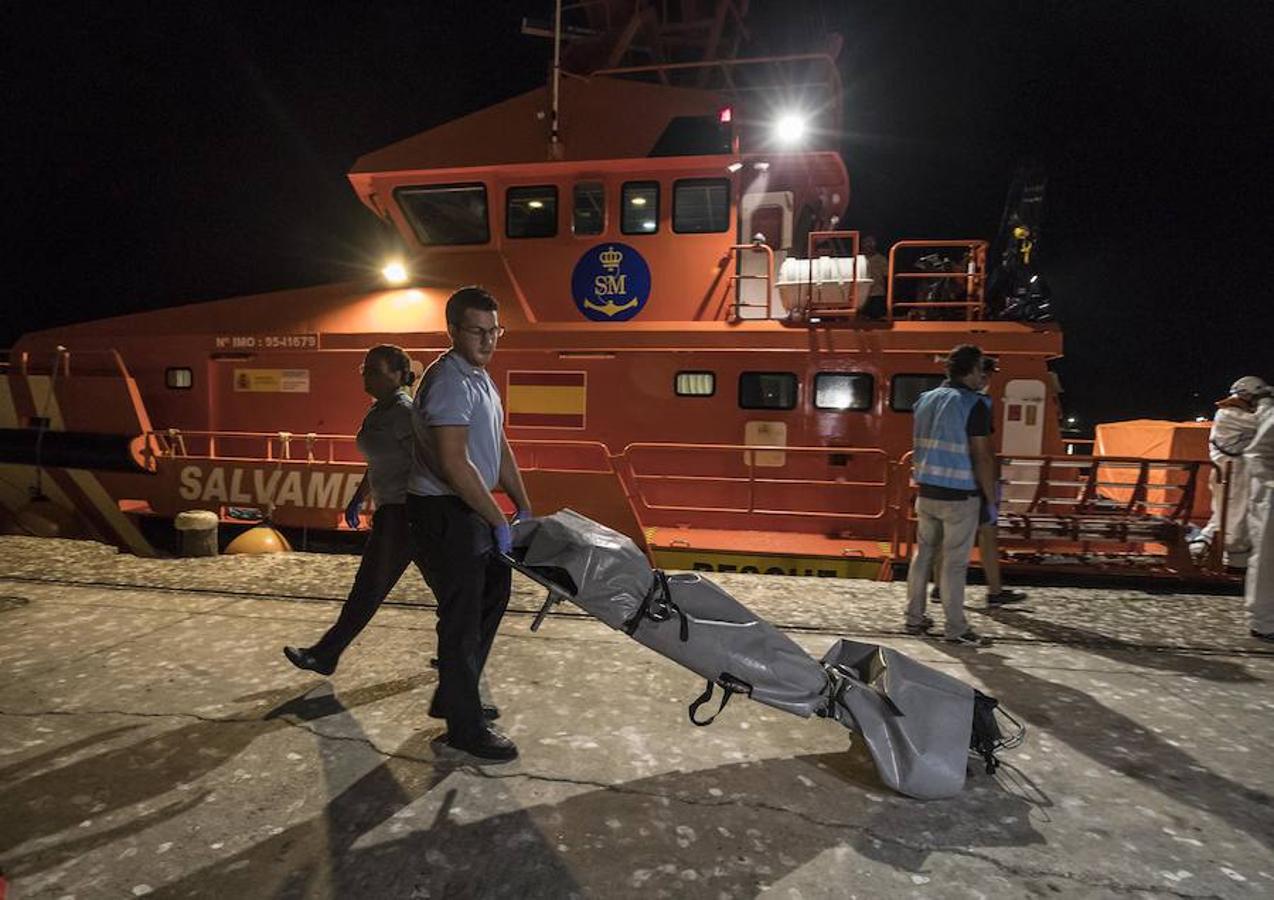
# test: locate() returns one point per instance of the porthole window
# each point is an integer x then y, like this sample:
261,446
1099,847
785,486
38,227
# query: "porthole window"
179,379
849,391
767,390
696,384
905,390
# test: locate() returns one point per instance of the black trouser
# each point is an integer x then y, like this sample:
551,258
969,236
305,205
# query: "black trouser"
388,552
472,587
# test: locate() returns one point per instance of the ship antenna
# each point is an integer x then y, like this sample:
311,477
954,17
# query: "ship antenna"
555,147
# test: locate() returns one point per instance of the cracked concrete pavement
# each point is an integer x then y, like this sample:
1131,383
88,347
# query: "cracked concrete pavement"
154,742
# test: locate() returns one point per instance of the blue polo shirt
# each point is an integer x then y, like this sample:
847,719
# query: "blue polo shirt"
456,392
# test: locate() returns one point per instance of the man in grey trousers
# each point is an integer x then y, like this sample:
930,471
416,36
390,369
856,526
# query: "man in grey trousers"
954,470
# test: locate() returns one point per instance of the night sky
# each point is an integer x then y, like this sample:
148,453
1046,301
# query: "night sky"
164,153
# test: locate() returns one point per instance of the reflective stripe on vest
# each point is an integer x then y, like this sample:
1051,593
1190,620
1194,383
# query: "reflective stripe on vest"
940,438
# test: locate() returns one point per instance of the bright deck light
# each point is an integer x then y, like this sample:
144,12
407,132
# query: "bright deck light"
638,201
536,204
395,272
790,128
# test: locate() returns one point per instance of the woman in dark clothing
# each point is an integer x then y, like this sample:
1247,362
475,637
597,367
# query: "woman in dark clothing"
386,439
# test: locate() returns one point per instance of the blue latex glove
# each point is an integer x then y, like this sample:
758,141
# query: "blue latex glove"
992,513
502,534
522,515
351,512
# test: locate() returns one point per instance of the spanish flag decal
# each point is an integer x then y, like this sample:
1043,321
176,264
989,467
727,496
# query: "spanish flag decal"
546,399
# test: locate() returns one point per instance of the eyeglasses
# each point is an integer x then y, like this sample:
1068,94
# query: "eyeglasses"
480,333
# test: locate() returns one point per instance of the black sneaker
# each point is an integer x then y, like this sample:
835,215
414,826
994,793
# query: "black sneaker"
970,639
490,712
923,628
1262,635
302,658
936,594
1005,597
489,744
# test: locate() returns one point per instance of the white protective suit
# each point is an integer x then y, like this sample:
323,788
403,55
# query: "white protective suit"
1232,430
1258,590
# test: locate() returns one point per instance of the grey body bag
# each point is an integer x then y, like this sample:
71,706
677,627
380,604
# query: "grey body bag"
919,724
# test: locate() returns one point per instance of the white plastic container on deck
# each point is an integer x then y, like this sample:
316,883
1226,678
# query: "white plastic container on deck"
831,278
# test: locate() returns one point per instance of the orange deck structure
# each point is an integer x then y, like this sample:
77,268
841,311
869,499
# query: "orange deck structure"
675,365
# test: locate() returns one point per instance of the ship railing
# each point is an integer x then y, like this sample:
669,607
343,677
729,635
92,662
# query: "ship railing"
1095,502
259,446
57,363
739,304
759,480
815,309
969,279
564,457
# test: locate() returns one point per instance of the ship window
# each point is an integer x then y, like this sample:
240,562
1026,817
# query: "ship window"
531,212
767,390
640,214
694,136
696,384
446,213
589,215
843,390
701,205
179,379
905,390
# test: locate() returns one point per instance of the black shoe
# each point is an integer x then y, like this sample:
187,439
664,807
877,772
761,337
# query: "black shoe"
489,744
302,658
1262,635
923,628
970,639
936,594
1005,597
490,712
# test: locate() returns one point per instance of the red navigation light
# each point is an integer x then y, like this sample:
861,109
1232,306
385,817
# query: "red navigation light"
725,115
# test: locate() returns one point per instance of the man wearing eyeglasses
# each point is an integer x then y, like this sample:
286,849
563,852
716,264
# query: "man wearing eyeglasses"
459,530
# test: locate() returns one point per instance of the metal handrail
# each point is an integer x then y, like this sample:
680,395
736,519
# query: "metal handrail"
1139,488
813,239
975,275
755,246
172,444
750,452
534,465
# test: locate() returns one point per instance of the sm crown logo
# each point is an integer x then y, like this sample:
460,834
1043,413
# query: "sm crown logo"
611,283
610,258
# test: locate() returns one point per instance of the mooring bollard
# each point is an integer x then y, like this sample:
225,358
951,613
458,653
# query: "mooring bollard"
198,529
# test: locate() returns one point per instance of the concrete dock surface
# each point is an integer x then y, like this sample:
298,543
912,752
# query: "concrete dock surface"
155,742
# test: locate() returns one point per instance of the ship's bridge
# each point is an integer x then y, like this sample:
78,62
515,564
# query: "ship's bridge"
650,209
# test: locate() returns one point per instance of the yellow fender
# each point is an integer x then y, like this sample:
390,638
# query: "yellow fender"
261,539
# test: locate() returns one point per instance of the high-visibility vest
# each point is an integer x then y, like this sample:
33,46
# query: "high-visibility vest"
940,441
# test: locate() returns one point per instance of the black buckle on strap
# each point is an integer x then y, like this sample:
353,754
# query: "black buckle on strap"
658,606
